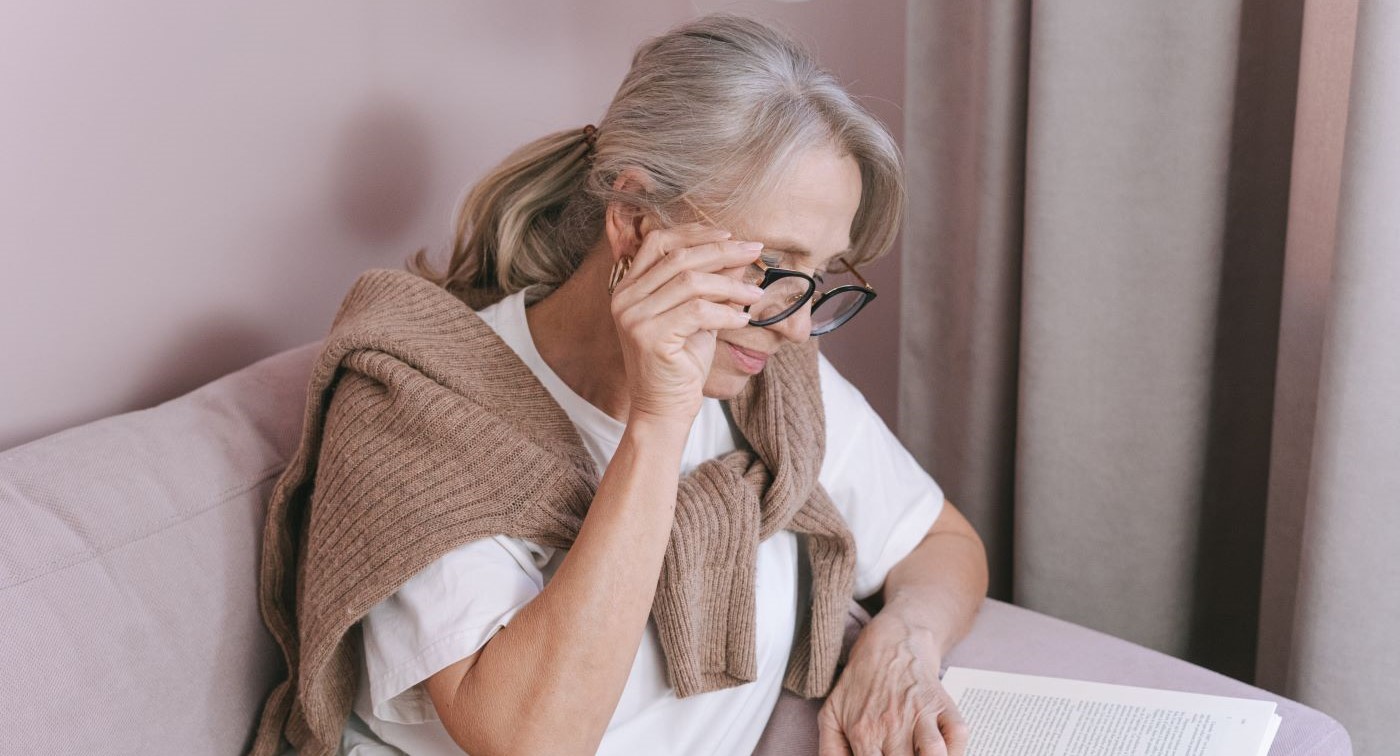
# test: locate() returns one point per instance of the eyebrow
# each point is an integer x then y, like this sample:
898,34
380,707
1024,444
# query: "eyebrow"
795,248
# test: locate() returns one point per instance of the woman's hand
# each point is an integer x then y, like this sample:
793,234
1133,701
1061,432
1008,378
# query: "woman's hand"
669,306
889,700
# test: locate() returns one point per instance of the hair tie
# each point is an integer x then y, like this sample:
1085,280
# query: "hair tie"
590,135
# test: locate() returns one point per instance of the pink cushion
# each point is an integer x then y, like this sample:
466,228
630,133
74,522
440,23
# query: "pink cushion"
128,561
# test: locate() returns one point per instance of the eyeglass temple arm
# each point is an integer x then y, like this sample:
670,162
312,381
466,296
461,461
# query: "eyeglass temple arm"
852,270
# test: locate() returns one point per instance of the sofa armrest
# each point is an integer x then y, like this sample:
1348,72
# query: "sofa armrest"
1012,639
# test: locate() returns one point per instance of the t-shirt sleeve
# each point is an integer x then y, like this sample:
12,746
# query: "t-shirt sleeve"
888,500
445,613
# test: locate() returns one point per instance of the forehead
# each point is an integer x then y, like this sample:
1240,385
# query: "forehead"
810,210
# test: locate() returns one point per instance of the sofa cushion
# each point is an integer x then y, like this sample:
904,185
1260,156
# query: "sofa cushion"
128,566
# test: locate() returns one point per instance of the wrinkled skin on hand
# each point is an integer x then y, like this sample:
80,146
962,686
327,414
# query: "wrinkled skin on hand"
889,700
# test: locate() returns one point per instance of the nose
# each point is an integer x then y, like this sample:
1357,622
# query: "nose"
797,327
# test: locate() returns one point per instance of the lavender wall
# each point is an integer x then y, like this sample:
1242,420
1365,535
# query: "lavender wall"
187,188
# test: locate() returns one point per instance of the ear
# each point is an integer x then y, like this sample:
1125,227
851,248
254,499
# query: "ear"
626,224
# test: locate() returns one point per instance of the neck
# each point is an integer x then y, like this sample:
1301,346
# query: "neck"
574,332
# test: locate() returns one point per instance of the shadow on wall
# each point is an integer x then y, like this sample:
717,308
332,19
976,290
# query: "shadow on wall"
379,184
379,181
206,350
383,171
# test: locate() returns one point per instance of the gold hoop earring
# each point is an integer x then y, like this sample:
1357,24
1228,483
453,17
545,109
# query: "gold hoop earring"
619,272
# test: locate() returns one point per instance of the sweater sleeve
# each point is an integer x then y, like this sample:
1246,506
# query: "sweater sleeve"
888,500
440,616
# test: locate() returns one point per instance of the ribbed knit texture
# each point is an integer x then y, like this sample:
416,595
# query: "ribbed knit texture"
424,431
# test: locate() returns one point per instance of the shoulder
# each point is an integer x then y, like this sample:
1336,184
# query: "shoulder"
494,314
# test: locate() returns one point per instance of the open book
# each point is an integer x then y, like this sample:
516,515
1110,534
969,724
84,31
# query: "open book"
1028,715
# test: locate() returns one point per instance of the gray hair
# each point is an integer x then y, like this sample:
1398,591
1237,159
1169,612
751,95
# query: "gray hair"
712,112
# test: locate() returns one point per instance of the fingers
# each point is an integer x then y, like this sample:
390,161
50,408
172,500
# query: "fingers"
685,275
940,734
928,740
696,315
831,741
955,732
898,744
659,245
659,242
934,733
710,257
690,284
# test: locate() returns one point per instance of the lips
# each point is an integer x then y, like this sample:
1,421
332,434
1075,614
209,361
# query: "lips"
748,360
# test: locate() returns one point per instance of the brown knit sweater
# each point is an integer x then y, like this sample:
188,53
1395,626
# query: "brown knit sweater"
424,431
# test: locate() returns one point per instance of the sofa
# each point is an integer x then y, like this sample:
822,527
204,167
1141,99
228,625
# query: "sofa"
128,613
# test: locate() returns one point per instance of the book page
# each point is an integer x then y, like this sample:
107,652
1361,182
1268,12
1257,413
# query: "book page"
1274,722
1028,715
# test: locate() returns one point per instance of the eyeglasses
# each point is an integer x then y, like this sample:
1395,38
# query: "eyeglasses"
785,292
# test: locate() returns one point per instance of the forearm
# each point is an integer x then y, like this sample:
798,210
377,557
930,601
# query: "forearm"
937,589
550,681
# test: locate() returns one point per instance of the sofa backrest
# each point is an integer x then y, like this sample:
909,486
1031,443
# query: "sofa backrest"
128,568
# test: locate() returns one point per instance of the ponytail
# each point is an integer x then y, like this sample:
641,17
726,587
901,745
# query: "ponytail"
508,232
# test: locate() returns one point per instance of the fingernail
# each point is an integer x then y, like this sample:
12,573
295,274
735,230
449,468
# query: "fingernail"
751,246
757,291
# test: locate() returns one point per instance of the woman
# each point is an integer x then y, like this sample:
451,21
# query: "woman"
658,280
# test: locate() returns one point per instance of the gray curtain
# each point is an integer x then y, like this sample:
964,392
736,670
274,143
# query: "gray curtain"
1150,332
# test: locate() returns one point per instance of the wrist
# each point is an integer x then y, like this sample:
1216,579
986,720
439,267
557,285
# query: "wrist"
911,624
658,431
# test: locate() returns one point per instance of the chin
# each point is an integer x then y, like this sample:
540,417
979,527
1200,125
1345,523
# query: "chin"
724,384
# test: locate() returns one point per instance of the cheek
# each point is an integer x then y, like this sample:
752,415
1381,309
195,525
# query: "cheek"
734,335
725,380
722,362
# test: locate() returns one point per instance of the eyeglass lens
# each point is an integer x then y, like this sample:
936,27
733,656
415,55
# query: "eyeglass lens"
781,298
835,309
787,292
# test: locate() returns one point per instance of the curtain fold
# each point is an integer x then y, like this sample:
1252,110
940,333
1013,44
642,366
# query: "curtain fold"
1324,86
1347,616
961,263
1117,264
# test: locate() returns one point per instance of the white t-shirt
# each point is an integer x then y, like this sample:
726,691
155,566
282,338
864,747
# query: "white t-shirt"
453,607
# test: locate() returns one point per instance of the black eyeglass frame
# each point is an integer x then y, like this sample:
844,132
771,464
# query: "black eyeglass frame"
772,274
